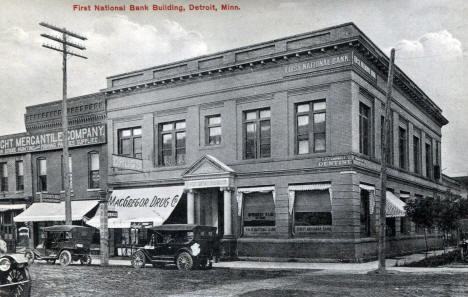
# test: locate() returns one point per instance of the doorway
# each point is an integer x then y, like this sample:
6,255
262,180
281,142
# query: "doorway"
209,208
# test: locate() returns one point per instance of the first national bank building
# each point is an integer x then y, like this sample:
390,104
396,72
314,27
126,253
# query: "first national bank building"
278,145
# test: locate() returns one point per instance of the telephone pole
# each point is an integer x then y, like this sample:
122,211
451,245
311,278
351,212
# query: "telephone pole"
385,153
64,49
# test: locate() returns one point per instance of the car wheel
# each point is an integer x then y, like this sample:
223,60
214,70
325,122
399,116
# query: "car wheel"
138,260
30,256
19,275
65,258
184,261
85,260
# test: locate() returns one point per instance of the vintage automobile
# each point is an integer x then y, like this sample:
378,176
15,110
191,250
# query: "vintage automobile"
14,274
185,245
65,243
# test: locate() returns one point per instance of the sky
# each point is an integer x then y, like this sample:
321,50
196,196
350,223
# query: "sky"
429,37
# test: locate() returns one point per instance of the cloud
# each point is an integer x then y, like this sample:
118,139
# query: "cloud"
30,74
441,44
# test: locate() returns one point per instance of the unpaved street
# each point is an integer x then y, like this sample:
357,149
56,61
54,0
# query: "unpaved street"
86,281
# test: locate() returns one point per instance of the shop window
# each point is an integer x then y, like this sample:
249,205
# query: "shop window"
417,154
213,130
172,143
257,134
42,175
312,212
259,214
129,142
19,172
310,127
428,160
365,217
402,147
365,128
4,177
93,170
390,227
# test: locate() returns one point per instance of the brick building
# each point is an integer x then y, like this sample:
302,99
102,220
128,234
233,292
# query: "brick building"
87,153
278,145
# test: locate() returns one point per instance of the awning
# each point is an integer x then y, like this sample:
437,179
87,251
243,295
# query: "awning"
7,207
394,206
51,212
242,191
141,205
306,187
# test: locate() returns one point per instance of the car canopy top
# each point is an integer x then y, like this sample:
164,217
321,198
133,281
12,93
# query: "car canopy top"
181,227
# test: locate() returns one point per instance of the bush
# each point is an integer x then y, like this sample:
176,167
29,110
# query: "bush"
434,261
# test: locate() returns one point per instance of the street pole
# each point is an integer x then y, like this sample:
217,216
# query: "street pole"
65,53
385,153
103,229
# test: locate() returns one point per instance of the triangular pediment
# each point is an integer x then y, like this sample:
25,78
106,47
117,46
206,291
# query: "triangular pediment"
208,165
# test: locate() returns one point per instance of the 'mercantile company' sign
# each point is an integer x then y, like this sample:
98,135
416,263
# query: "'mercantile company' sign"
52,140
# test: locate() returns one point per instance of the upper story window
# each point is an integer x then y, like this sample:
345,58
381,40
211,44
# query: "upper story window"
428,150
365,128
19,171
417,154
402,147
94,177
172,143
130,142
311,124
42,175
4,177
257,133
213,130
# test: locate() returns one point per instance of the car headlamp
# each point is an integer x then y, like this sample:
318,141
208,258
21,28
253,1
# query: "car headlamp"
79,245
5,264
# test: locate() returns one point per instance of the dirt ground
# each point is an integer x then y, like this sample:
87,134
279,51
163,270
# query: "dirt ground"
86,281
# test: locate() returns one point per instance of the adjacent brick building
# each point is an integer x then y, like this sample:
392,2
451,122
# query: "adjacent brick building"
278,144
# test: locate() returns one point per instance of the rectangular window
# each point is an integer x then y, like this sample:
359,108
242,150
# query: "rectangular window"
93,173
365,128
312,212
129,142
172,143
310,127
405,222
417,154
4,177
390,227
428,160
257,134
42,175
402,147
213,130
19,169
365,213
258,214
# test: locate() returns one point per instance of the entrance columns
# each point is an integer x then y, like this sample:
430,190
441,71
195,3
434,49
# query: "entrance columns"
190,207
227,212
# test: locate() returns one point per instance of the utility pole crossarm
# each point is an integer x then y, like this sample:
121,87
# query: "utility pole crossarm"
65,31
54,38
59,50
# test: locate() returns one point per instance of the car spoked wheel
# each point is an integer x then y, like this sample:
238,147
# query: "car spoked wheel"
19,276
138,260
85,260
65,258
30,256
184,261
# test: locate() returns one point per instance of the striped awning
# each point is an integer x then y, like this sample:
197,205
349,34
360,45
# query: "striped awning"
310,187
394,207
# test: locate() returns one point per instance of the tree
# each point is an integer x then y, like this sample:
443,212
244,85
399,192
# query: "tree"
422,212
447,214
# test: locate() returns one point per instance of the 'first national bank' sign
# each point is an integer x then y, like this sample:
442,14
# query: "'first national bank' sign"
46,141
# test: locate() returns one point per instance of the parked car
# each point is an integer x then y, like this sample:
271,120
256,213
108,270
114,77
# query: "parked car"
15,280
65,243
187,246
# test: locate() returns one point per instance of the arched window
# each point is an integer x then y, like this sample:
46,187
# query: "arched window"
94,177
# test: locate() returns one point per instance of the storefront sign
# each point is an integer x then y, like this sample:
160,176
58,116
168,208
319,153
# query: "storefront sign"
141,225
335,161
259,230
112,214
311,229
52,140
311,65
51,197
363,66
207,183
127,163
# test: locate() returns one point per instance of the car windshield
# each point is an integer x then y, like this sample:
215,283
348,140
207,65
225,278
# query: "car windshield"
178,237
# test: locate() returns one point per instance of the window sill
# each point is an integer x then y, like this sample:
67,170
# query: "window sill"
93,190
211,147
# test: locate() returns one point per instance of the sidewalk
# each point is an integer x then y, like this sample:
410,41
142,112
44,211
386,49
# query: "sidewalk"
357,268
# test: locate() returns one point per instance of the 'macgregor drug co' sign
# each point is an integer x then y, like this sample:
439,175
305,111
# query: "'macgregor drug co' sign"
25,143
